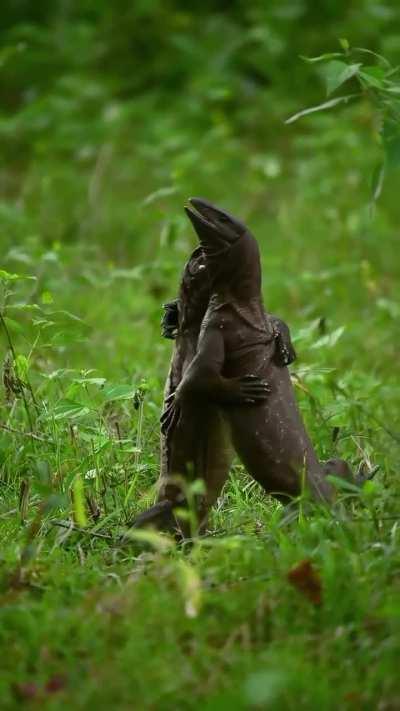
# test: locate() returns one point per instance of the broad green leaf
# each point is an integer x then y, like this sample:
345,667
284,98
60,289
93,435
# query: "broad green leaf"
90,381
70,410
393,89
12,325
337,73
119,392
373,76
330,339
322,107
377,56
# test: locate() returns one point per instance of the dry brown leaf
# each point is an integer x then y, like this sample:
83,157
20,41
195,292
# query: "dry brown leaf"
306,579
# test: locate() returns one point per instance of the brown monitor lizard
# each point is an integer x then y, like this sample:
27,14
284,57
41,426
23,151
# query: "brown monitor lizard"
237,338
199,446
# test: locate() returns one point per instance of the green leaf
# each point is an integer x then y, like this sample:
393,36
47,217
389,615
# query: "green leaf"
24,307
47,297
78,491
378,179
321,57
21,367
343,485
330,339
337,73
69,315
70,410
6,276
119,392
160,193
377,56
373,76
12,325
90,381
322,107
370,489
43,323
344,43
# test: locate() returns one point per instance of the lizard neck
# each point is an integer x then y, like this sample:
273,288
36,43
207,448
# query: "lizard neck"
254,304
250,311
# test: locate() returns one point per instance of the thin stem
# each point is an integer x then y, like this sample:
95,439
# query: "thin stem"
32,435
14,355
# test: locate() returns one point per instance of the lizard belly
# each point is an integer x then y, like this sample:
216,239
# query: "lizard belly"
270,438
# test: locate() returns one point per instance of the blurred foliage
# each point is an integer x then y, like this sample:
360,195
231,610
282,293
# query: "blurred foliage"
106,103
113,113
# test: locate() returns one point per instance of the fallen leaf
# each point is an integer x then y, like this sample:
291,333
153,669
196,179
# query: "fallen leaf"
306,579
55,683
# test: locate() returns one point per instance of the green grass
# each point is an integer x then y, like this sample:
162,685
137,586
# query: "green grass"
90,622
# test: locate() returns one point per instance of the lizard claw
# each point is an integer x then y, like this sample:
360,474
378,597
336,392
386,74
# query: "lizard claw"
363,475
253,389
169,419
170,320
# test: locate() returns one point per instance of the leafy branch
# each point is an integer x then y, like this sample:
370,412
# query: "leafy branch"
376,82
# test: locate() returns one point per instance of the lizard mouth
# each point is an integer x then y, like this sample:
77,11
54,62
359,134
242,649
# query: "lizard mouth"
213,225
196,216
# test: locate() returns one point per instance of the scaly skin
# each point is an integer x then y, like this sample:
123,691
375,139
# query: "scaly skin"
236,338
198,445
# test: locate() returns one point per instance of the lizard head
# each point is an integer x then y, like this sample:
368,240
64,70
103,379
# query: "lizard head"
230,250
216,229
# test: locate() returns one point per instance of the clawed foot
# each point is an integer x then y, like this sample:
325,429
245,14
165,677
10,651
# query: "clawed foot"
170,415
170,320
365,474
284,349
252,389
